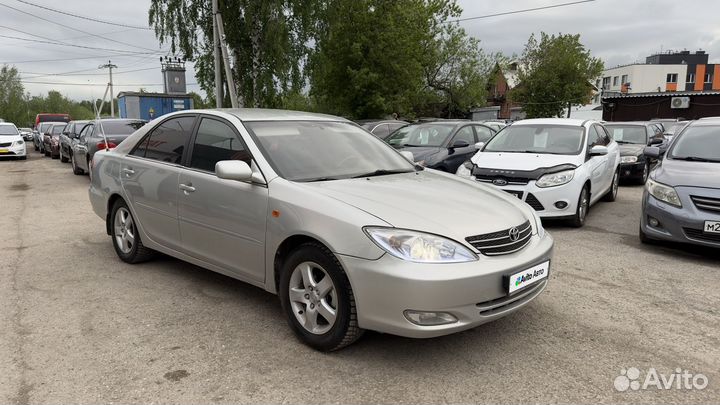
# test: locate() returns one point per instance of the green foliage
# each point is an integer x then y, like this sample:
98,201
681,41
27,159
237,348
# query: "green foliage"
378,57
554,73
12,105
268,39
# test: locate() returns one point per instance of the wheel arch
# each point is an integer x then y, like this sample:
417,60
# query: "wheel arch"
111,201
285,247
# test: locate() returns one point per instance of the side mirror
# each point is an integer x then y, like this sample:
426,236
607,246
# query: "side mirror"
652,152
598,150
460,143
655,141
479,145
233,170
408,155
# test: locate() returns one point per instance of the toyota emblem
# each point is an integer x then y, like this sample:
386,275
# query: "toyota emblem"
514,234
500,182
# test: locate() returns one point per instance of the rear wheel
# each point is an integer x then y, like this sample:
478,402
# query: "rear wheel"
317,298
125,235
75,169
583,206
612,193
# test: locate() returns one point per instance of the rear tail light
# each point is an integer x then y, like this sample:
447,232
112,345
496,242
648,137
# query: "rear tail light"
102,145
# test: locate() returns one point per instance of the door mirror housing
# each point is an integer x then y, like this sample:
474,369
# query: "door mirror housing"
479,145
652,152
408,155
598,150
655,141
233,170
460,143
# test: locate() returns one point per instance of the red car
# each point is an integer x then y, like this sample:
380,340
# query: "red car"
51,140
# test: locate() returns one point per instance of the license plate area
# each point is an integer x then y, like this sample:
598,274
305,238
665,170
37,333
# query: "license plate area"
516,193
519,281
712,227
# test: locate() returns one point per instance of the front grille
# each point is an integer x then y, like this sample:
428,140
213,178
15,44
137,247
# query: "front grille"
493,307
532,201
706,203
5,144
700,235
499,243
510,180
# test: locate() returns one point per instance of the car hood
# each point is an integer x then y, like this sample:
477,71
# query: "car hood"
521,161
631,149
10,138
421,152
692,174
430,201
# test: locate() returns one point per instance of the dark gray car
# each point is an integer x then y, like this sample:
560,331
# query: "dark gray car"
106,133
681,202
71,131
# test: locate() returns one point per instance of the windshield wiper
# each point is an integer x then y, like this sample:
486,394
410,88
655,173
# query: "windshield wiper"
409,145
314,179
696,159
381,172
623,142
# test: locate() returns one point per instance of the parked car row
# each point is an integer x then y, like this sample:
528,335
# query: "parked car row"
77,141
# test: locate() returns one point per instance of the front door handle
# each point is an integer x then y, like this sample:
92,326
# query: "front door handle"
187,188
128,172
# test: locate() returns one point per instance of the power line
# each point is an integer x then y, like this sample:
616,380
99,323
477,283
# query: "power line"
76,73
527,10
64,44
97,20
74,29
98,84
129,54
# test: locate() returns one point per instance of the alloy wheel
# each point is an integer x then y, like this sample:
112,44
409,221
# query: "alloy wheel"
616,184
313,297
124,230
584,203
646,172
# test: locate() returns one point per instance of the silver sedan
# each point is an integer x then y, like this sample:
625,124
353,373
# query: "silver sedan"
347,231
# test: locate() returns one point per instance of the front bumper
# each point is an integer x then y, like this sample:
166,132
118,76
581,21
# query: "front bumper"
472,292
632,170
13,151
684,224
543,200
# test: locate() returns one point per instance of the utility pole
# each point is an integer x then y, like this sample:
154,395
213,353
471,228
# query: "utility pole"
226,60
110,67
216,52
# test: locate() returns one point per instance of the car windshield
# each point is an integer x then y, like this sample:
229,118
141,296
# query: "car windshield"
57,129
121,127
628,133
675,128
43,128
700,143
8,130
315,150
550,139
26,129
431,134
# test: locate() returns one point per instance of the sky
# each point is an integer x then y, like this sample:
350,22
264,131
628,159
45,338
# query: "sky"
617,31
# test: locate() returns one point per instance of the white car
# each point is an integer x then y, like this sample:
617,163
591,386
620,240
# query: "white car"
560,167
11,142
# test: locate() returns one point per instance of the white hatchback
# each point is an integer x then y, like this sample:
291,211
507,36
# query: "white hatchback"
560,167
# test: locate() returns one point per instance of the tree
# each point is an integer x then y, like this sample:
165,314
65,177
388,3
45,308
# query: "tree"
555,73
12,101
268,40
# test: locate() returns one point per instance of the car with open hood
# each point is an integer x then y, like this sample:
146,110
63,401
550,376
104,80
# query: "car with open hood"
443,144
560,167
345,229
681,202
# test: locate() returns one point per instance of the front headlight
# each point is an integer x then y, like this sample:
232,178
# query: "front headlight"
419,247
628,159
555,179
663,193
465,169
18,143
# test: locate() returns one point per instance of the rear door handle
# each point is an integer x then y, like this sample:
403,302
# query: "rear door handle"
187,188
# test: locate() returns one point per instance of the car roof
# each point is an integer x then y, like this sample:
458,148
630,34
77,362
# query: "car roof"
117,119
628,123
52,123
709,121
267,114
554,121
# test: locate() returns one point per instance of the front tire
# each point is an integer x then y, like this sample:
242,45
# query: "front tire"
583,206
63,158
76,170
125,236
645,174
317,298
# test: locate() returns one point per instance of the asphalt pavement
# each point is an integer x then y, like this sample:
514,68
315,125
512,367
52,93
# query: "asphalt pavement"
77,325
